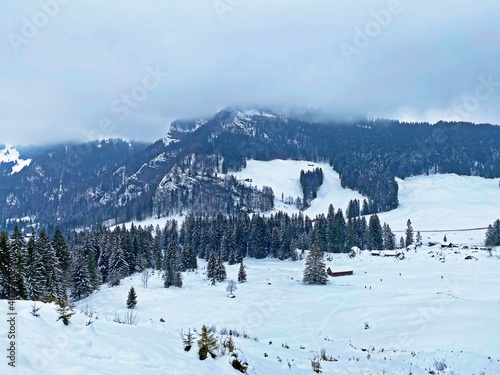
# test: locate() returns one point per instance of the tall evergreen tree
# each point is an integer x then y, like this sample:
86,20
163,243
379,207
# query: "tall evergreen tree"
242,275
19,255
409,233
389,238
211,267
6,271
54,282
95,275
168,276
82,284
118,266
63,256
375,231
315,269
36,271
418,239
220,270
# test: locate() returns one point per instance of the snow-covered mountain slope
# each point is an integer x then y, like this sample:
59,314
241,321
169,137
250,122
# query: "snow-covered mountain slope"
283,176
418,310
443,202
11,155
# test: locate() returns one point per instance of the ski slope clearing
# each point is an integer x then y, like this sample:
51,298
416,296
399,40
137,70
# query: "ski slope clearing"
417,310
447,201
283,176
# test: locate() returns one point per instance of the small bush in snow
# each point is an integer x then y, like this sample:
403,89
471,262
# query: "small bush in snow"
34,310
440,365
316,364
65,310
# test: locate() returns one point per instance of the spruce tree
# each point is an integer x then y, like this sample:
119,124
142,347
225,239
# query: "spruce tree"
375,230
211,267
242,275
63,256
418,239
131,298
207,343
169,275
81,283
177,279
6,272
389,239
36,271
95,275
409,233
315,269
65,310
118,266
19,264
188,340
53,277
220,270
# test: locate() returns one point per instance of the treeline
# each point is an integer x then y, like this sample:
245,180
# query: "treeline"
50,270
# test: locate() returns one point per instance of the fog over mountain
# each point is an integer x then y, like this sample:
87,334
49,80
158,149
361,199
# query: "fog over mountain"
80,70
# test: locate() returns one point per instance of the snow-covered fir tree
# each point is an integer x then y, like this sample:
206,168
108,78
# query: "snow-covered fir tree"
118,266
19,257
242,274
409,233
62,252
211,266
315,269
6,271
389,238
418,239
131,298
81,280
220,270
53,278
207,343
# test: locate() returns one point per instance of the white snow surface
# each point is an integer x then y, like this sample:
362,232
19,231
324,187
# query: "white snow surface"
11,155
443,202
418,309
283,176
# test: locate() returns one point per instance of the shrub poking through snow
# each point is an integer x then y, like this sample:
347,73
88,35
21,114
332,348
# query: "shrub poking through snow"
238,361
65,311
188,340
316,364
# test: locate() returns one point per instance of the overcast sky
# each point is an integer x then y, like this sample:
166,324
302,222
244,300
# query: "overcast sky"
83,69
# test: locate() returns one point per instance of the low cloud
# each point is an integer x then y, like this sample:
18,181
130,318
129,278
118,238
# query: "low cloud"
66,63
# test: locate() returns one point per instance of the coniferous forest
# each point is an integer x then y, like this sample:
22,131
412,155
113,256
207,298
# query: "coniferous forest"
53,268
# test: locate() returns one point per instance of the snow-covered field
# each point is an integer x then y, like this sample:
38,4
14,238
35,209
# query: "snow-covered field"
443,202
418,310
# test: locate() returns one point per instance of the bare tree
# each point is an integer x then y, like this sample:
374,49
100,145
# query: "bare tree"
231,287
145,277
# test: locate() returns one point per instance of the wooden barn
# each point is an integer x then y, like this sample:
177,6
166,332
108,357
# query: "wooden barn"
337,273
